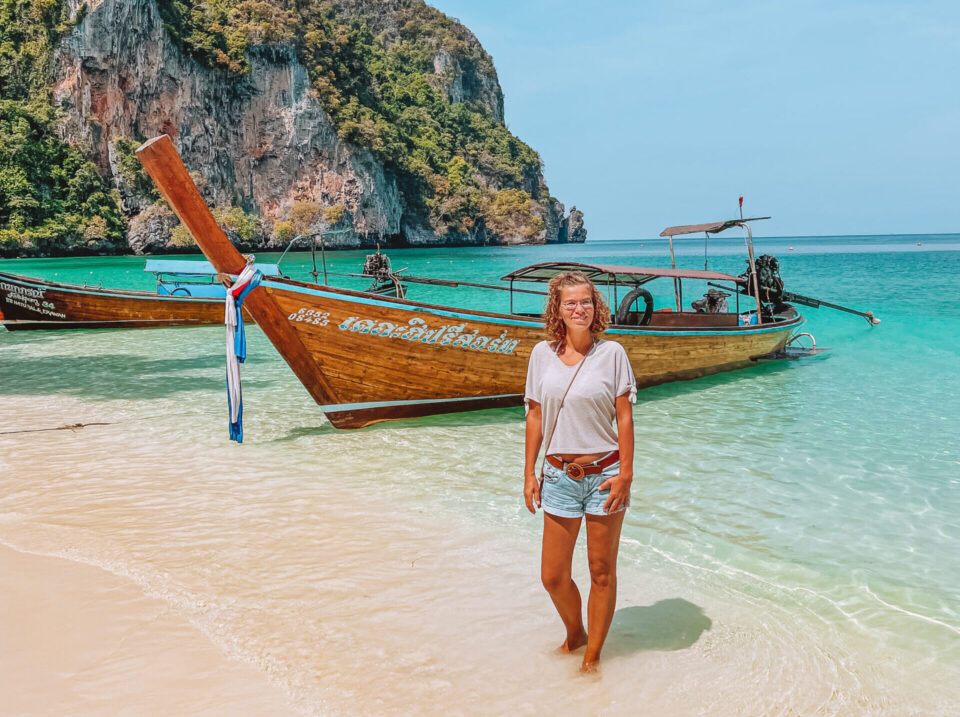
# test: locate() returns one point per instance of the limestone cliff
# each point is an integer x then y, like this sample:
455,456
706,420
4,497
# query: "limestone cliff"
262,140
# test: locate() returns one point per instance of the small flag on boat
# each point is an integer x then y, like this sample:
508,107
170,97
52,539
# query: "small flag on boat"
246,282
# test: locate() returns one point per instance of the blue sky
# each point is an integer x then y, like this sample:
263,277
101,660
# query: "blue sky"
836,117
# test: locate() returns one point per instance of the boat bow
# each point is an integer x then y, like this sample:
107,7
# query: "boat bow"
162,162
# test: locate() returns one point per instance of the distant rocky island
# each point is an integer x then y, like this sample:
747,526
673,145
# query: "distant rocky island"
381,120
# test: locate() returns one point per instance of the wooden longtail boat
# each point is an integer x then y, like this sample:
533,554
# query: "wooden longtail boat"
28,303
365,358
185,296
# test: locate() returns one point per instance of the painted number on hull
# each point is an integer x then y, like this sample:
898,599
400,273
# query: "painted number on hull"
310,316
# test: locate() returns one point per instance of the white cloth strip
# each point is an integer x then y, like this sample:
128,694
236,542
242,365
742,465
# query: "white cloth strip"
230,319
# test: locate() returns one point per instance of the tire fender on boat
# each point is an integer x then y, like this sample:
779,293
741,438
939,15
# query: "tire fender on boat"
623,311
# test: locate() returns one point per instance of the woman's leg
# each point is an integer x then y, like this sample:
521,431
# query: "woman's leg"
559,538
603,542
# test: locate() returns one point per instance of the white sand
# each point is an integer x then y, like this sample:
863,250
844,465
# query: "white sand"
77,640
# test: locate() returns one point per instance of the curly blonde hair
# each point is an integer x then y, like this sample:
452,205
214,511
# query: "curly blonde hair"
556,329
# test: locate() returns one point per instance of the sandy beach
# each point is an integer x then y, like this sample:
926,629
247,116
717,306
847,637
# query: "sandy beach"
79,640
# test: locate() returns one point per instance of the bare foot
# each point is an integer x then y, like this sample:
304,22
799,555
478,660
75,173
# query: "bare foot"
573,643
590,667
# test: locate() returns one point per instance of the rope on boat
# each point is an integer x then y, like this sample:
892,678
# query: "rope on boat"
246,282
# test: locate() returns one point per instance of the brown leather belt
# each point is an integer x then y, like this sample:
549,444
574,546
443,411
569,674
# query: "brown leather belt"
577,471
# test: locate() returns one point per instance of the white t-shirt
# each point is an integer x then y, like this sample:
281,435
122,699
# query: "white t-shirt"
586,423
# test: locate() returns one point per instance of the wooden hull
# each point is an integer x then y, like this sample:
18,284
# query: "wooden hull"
385,359
27,303
366,359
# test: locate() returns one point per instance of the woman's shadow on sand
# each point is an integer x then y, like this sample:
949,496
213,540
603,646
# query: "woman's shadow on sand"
673,624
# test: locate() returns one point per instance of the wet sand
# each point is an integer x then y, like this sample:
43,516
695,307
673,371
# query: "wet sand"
78,640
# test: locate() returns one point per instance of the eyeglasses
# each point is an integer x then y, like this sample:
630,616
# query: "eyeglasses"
571,305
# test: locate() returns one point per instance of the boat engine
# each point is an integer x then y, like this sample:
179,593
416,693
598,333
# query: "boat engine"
768,278
377,266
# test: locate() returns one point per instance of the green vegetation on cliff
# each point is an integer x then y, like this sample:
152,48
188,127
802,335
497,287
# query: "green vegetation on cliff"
27,29
399,78
373,69
52,200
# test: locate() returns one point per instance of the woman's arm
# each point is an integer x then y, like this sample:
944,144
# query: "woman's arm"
534,437
619,485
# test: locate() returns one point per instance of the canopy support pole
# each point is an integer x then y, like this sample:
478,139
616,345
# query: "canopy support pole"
753,271
323,258
673,265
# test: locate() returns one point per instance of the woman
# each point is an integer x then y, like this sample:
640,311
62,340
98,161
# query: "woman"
576,385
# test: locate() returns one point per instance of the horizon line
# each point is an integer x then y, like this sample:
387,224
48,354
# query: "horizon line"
784,236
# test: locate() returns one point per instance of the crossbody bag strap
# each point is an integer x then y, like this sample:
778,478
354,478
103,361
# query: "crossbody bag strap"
556,418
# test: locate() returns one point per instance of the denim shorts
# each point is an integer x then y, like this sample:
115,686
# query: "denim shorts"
565,497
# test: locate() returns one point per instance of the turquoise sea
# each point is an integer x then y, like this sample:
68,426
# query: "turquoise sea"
793,545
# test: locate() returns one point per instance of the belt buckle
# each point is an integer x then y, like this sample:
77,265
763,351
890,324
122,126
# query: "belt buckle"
574,471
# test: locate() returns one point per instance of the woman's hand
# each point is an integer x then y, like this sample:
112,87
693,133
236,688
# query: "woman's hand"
619,497
531,492
533,438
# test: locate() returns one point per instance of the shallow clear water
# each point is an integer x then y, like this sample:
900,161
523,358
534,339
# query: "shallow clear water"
793,545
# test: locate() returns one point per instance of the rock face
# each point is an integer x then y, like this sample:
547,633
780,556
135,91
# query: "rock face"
572,229
261,141
465,84
149,231
463,79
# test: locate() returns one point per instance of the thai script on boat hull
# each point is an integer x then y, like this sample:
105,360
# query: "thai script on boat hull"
418,330
22,290
28,298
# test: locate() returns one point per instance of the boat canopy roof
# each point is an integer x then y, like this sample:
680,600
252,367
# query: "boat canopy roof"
605,275
709,228
193,267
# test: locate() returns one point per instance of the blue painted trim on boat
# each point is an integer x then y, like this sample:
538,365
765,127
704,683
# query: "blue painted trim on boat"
394,305
680,332
741,330
194,290
101,292
416,309
334,407
195,267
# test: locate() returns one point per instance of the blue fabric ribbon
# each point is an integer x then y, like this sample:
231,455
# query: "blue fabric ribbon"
240,349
